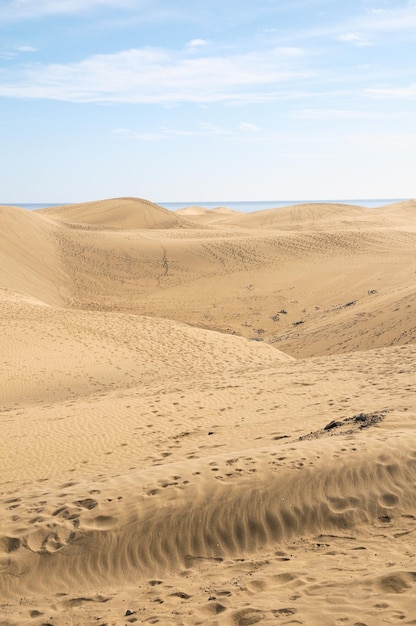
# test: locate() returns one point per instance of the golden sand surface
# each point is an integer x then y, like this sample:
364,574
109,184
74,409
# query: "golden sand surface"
207,417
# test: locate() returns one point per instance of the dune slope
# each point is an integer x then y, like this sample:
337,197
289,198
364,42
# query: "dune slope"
30,261
239,280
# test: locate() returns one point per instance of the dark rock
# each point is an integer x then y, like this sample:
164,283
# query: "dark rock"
361,417
332,425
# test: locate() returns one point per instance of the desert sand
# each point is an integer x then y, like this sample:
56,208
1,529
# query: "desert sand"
207,417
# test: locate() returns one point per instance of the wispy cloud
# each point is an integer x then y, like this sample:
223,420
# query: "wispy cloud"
361,29
197,43
333,114
29,9
208,128
203,129
155,75
248,127
26,49
388,20
393,91
325,114
12,53
361,26
356,39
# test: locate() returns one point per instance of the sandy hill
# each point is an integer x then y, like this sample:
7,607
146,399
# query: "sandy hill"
207,422
119,213
98,343
316,216
202,215
290,288
404,207
192,211
30,260
239,280
399,214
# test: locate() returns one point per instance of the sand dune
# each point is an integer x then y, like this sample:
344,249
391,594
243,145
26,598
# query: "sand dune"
125,213
207,419
25,239
117,351
332,217
304,217
202,215
239,280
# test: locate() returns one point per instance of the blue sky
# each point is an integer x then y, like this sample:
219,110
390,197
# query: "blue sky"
207,99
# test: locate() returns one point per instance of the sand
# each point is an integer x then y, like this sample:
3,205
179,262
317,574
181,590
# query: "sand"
207,417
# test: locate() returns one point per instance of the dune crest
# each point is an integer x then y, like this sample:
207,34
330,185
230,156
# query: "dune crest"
118,213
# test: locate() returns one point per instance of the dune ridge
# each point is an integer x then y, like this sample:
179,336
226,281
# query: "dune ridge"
207,417
154,535
119,213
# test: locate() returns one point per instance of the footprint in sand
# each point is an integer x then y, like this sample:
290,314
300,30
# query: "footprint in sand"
43,541
214,608
247,616
9,544
181,594
87,503
283,612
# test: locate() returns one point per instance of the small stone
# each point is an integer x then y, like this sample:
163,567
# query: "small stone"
129,612
361,417
332,424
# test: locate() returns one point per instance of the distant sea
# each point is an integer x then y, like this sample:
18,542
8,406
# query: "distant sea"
242,206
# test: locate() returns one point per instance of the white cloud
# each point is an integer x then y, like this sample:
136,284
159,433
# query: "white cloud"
289,51
364,25
385,20
26,49
24,9
249,128
203,129
393,92
337,114
212,129
7,55
153,75
12,53
357,39
197,43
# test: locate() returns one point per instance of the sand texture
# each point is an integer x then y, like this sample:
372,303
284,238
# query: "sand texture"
207,417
